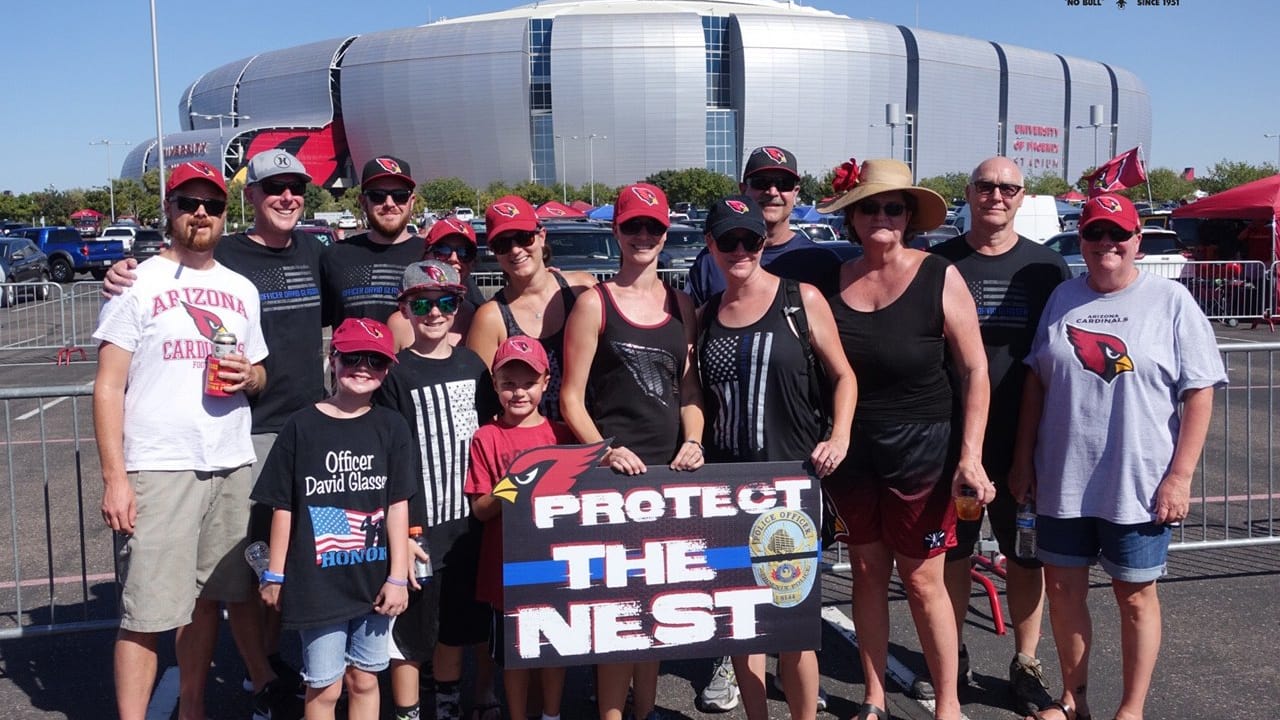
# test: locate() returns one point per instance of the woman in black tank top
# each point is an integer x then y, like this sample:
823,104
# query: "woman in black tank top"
897,311
629,375
535,300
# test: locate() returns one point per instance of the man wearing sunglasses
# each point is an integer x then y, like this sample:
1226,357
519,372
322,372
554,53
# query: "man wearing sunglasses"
1010,278
771,179
176,459
362,274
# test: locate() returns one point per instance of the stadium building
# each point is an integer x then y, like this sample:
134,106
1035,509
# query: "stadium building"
615,90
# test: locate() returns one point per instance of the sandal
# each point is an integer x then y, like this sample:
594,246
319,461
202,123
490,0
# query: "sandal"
486,711
867,711
1067,712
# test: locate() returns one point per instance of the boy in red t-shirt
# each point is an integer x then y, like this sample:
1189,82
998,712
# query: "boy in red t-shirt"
520,376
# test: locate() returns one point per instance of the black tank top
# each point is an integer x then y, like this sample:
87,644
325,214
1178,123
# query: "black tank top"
897,351
633,388
755,383
553,344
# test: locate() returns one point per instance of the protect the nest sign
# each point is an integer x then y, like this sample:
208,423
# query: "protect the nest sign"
601,567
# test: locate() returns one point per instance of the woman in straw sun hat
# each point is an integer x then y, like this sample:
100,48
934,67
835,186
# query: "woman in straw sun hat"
898,311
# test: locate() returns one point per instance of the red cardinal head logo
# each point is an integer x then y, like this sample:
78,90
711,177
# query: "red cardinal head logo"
373,330
1107,203
646,195
737,206
506,209
776,154
390,165
548,470
203,168
456,225
207,323
1104,355
436,273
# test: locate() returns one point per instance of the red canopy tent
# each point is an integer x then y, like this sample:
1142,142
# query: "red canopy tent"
87,212
555,210
1257,202
581,206
1072,195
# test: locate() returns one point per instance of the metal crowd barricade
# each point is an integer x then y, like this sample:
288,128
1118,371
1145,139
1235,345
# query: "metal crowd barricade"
490,282
1226,290
47,316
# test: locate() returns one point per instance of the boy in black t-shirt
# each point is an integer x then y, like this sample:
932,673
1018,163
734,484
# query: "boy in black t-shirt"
444,393
339,479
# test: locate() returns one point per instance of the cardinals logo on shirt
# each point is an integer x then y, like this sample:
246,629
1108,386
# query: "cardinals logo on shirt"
207,323
646,195
390,165
737,206
775,154
1102,354
505,209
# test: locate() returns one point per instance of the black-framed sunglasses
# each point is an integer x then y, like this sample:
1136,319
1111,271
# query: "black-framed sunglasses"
1114,233
277,187
1006,189
465,253
729,243
501,245
372,360
191,204
650,225
784,183
871,208
446,304
377,197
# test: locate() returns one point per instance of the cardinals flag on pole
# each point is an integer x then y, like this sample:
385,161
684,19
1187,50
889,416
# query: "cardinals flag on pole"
1120,172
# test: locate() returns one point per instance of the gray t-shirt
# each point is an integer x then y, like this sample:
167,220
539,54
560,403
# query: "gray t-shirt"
1113,367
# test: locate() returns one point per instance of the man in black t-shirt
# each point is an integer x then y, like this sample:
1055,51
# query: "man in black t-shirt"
362,274
1010,278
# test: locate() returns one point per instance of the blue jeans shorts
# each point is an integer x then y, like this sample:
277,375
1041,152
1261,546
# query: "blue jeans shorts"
1129,553
327,650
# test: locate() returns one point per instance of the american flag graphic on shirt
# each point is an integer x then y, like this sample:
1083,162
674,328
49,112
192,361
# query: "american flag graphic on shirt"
338,529
1001,303
735,369
446,419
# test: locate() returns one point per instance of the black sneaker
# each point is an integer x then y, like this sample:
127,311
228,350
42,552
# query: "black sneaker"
287,677
1026,681
274,702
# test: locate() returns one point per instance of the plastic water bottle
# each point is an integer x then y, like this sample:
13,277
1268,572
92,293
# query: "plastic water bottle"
1025,540
421,568
258,555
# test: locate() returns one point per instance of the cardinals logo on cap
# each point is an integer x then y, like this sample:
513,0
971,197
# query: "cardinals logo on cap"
505,209
646,196
775,154
520,345
1102,354
373,331
435,273
455,224
737,206
202,168
1111,205
390,165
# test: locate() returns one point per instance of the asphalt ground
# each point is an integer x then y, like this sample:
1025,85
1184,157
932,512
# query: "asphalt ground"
1221,614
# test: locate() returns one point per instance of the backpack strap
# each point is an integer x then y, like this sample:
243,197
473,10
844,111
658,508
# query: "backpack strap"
793,311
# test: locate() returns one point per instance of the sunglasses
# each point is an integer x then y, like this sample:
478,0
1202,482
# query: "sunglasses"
1111,232
784,183
729,243
446,304
651,226
277,187
192,204
501,245
465,253
377,197
1006,189
353,360
871,208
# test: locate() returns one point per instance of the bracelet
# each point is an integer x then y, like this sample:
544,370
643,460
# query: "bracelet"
695,442
270,577
398,582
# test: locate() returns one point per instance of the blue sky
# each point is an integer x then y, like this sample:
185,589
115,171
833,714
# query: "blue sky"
80,70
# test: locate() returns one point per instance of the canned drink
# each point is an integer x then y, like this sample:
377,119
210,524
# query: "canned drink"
224,343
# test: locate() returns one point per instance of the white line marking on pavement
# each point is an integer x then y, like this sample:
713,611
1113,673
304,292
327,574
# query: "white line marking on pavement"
62,580
896,671
45,406
165,698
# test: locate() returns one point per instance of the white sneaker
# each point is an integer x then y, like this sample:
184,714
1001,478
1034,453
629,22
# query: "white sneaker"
721,694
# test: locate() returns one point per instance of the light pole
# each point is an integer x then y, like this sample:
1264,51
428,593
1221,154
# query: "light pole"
1276,136
892,119
591,161
564,163
222,161
111,185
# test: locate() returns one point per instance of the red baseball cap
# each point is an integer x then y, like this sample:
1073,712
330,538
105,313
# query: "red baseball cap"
641,200
521,348
364,335
509,212
1115,209
184,173
448,227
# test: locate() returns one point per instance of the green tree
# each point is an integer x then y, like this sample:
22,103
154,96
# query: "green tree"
1046,184
19,208
813,189
318,199
1227,174
53,206
533,192
699,186
350,202
1165,184
446,194
239,209
950,186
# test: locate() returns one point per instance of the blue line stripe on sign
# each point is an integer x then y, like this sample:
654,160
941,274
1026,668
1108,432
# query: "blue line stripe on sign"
546,572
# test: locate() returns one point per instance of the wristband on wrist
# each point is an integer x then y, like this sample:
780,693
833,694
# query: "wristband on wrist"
398,582
695,442
270,577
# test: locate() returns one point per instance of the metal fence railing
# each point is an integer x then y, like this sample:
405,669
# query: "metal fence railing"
490,282
1227,290
47,317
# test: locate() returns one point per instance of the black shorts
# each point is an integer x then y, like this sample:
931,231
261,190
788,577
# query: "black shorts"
1002,514
444,611
497,637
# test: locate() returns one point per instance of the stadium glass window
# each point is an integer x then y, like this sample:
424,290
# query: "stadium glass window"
715,33
722,142
542,144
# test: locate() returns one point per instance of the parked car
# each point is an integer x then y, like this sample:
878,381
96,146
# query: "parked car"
147,242
818,232
589,247
8,226
348,222
124,233
465,214
22,262
684,242
843,249
323,233
1159,252
70,254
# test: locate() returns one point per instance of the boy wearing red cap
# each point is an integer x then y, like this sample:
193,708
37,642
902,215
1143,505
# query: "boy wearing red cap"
339,478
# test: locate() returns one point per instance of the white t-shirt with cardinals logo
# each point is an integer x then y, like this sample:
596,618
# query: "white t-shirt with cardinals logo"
167,319
1113,367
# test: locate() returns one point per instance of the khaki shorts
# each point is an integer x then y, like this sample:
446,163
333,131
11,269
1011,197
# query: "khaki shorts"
188,543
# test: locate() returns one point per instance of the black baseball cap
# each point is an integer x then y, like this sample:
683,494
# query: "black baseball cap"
386,166
736,212
770,157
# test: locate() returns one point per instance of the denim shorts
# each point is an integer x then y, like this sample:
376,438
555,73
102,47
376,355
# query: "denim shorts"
327,650
1129,553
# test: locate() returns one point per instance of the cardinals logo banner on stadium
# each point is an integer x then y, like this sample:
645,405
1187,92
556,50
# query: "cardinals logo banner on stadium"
674,565
1118,173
